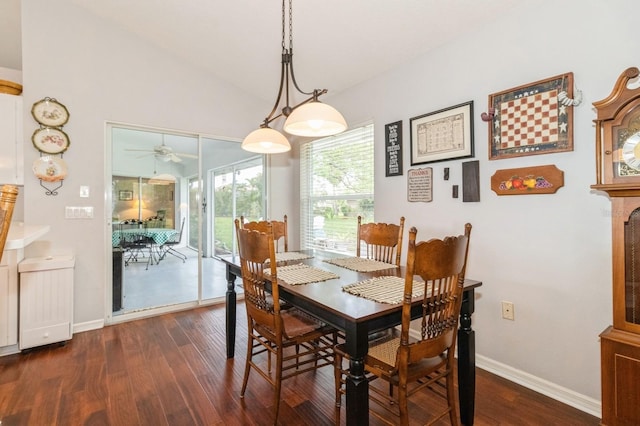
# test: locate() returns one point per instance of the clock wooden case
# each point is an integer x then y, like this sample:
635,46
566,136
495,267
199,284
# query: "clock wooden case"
618,174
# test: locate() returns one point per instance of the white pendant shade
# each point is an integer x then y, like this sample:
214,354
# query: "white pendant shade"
315,119
266,141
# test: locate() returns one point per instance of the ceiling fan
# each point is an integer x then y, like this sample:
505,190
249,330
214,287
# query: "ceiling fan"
164,153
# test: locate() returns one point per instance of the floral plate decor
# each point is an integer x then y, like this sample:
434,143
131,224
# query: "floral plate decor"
50,169
50,112
50,140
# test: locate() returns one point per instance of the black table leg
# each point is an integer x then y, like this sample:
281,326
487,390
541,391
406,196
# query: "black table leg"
357,386
230,310
466,360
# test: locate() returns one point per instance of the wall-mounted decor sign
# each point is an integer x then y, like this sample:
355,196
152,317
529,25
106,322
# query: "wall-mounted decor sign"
393,148
471,181
527,180
532,119
442,135
419,185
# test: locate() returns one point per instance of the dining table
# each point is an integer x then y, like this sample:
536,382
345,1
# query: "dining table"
357,317
158,235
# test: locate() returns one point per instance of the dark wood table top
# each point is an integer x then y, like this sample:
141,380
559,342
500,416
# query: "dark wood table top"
342,306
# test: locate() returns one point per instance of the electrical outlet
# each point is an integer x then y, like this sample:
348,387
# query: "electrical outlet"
507,310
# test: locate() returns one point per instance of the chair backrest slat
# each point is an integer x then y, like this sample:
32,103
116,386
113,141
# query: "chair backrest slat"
441,264
254,249
383,241
278,227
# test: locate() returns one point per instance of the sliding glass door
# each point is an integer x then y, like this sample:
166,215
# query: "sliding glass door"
238,190
162,180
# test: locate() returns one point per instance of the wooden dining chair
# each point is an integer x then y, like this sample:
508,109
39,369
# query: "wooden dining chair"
426,358
299,342
382,241
279,231
8,196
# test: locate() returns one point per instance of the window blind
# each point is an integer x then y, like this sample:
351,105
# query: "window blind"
336,185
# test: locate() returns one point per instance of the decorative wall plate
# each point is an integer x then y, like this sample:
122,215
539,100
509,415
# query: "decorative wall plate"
50,169
50,140
50,112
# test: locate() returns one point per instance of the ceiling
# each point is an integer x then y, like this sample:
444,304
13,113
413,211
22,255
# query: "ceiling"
337,44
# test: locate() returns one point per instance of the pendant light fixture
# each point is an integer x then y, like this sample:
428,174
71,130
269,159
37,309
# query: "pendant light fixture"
310,118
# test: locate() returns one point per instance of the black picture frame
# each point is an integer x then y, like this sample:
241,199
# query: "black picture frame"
442,135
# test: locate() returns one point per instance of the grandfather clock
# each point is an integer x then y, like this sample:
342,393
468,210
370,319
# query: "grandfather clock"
618,174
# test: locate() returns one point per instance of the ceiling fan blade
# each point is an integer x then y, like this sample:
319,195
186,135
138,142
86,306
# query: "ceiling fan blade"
139,150
175,158
185,155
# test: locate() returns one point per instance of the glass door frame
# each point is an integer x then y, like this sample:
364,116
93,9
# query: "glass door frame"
235,169
109,173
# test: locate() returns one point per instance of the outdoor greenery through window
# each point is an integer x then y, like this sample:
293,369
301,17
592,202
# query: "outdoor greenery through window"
238,191
336,185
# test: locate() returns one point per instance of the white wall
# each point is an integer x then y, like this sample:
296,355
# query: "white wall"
548,254
102,73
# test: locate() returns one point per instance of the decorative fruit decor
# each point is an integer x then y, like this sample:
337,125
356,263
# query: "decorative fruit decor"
524,183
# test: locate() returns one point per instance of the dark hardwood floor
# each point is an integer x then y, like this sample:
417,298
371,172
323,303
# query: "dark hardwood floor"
172,370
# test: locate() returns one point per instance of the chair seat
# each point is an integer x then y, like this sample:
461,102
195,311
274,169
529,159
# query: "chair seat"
297,326
382,356
297,323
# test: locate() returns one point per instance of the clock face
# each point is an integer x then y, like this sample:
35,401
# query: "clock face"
631,151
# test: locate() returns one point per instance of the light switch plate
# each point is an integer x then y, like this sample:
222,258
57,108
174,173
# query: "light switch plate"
84,191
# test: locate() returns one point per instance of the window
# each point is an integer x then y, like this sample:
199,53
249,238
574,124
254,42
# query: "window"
336,186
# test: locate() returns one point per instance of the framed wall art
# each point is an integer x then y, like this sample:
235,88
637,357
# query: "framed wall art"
125,195
535,118
442,135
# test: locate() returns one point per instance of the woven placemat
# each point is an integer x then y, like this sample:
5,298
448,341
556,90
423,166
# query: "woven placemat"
360,264
302,274
287,256
383,289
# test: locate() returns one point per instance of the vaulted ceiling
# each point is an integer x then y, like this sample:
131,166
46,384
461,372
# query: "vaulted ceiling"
337,43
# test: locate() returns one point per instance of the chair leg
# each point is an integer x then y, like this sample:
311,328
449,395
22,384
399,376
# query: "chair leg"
337,373
175,253
277,384
451,400
403,405
247,364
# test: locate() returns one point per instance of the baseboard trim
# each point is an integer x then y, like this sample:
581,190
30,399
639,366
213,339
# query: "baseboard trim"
9,350
566,396
88,326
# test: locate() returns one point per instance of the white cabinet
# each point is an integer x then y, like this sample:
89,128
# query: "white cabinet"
20,236
11,140
46,300
9,299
